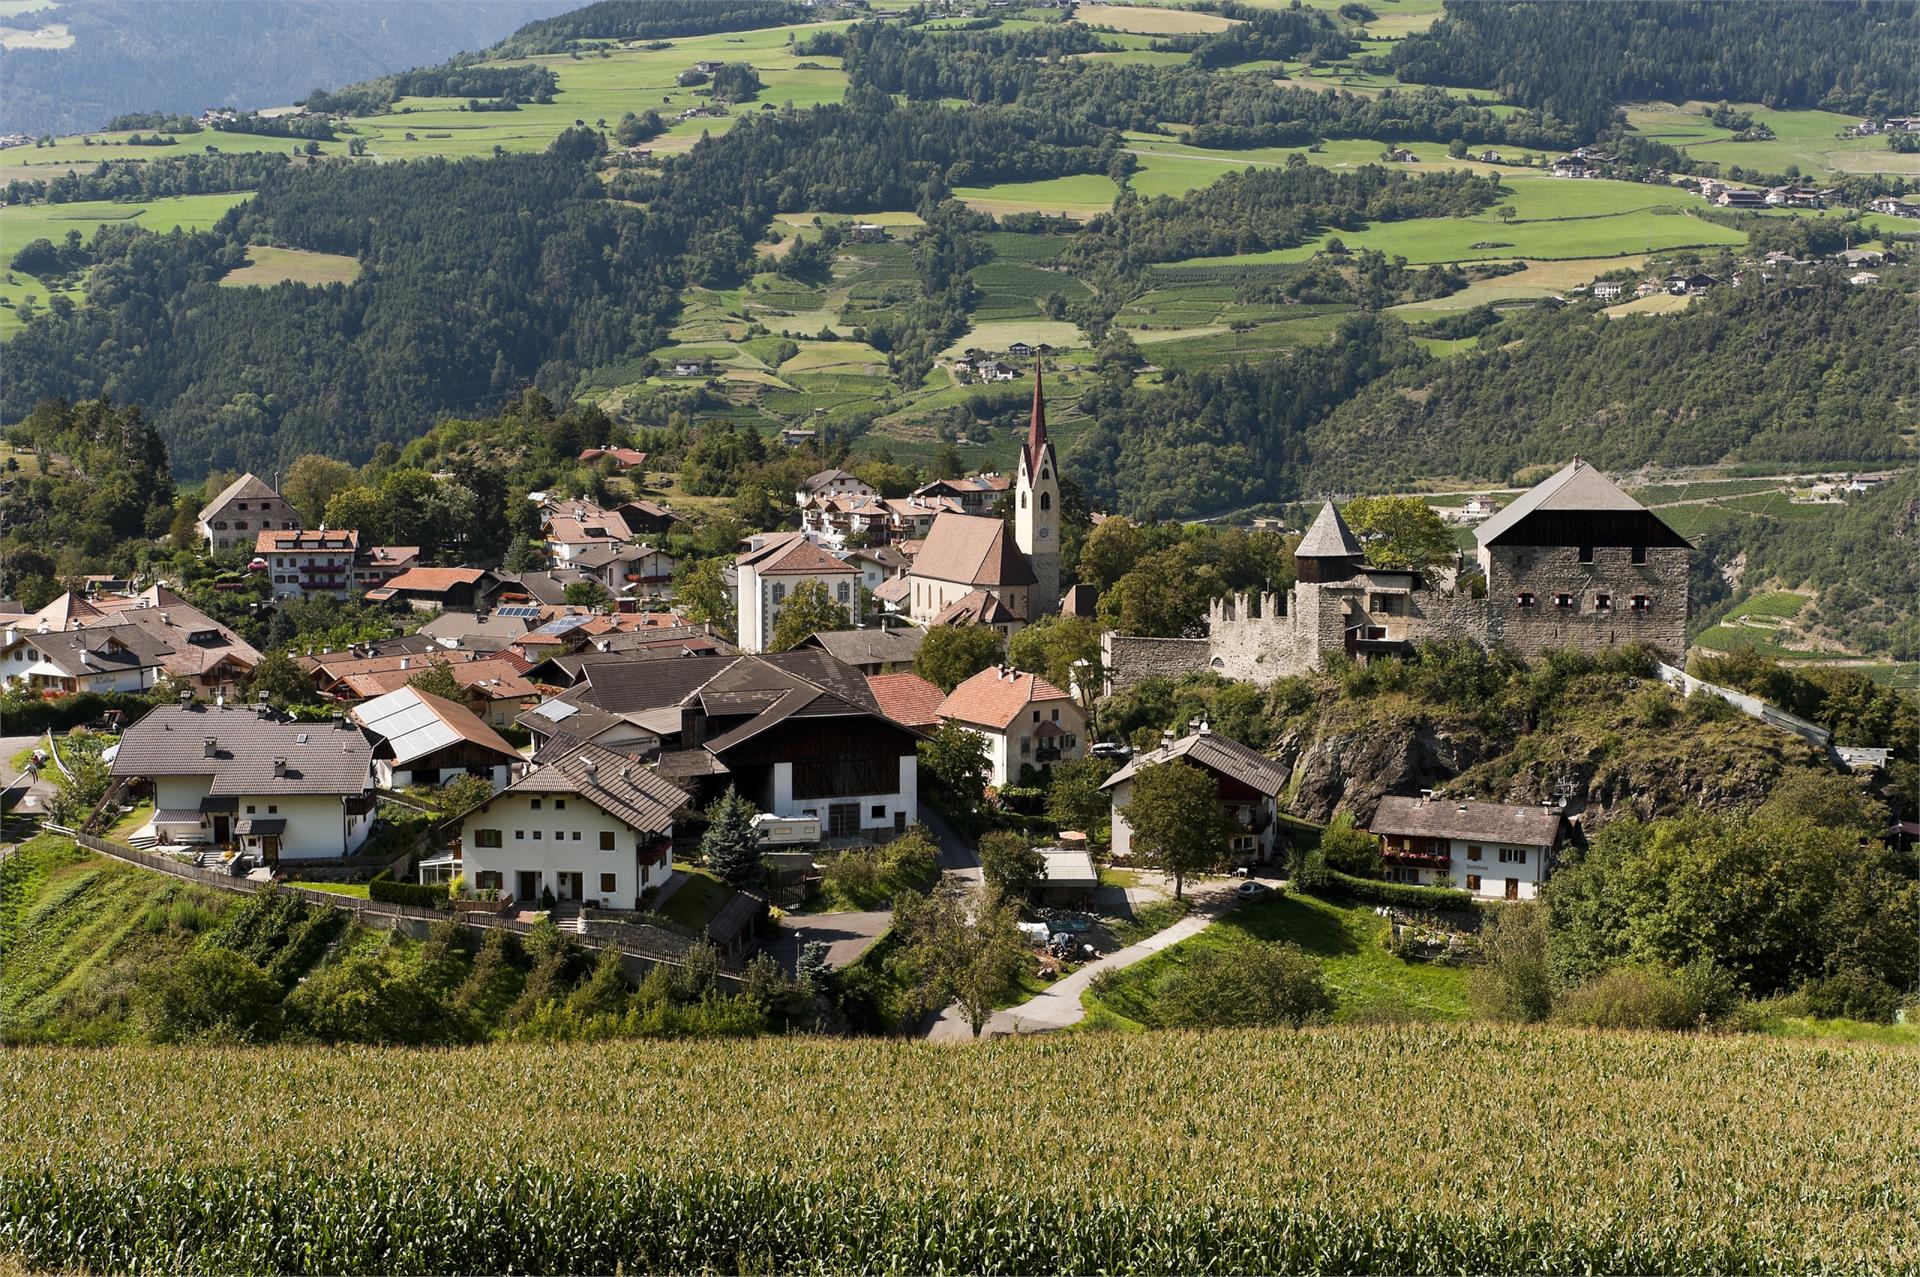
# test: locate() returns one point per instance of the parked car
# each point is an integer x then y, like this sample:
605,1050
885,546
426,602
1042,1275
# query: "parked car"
1251,890
1110,749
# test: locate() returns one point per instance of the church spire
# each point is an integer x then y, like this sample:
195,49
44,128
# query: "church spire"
1037,428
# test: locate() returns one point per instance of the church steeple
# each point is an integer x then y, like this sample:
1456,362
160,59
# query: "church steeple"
1036,510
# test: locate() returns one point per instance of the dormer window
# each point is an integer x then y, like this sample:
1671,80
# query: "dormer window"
1639,554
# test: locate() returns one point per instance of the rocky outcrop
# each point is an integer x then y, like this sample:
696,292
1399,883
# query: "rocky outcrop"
1351,768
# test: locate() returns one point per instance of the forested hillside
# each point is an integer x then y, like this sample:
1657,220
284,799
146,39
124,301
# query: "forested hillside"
1579,60
1793,374
184,56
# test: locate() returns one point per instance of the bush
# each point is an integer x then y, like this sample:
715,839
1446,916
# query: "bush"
1010,865
419,895
1515,984
1852,994
1349,850
30,717
1260,985
211,994
1316,879
1648,998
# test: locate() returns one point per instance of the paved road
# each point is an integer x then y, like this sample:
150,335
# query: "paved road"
1059,1006
43,791
846,935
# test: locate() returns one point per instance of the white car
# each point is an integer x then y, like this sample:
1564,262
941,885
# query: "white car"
1251,890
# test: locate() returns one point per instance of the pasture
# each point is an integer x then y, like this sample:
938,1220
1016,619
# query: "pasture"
1816,141
997,335
1144,20
1081,1152
1081,195
269,266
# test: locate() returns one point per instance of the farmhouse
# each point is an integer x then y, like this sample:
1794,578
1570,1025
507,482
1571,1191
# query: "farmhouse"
305,563
1248,782
423,739
832,483
105,658
1491,850
248,778
1026,721
586,825
448,589
623,459
766,575
1734,197
241,511
189,645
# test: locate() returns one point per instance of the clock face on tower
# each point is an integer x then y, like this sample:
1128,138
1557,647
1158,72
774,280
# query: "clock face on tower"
1046,534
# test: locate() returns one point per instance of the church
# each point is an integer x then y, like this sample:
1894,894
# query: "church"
974,570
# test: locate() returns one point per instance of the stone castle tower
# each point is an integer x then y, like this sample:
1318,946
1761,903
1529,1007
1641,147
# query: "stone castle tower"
1036,513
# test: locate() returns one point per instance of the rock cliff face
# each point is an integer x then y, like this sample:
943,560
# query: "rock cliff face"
1600,761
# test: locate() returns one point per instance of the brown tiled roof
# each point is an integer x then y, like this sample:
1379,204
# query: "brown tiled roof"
794,556
972,550
907,698
414,722
273,542
1531,826
631,793
977,607
996,696
435,580
320,758
897,646
1217,754
490,677
250,486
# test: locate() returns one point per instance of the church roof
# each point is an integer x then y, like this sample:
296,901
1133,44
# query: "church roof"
972,550
1037,426
1329,538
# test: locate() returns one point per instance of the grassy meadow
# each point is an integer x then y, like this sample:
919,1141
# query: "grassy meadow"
1225,1151
266,267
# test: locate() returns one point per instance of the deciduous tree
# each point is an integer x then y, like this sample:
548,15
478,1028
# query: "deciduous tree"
1177,822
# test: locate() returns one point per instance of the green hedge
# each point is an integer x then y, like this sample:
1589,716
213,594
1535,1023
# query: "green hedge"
30,718
385,888
1318,880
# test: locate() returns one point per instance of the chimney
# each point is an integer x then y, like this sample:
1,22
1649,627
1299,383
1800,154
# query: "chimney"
593,772
626,775
264,699
186,696
693,724
219,700
210,748
165,619
406,662
279,767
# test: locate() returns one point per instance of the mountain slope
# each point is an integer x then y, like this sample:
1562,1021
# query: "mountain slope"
182,55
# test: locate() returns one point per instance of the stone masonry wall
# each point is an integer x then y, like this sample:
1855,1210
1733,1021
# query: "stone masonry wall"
1545,571
1130,660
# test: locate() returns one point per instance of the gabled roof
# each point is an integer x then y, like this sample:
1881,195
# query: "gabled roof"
1576,487
825,478
319,758
633,794
294,542
413,723
1216,753
977,607
998,695
869,647
1329,538
435,580
1532,826
907,698
248,487
972,550
794,555
99,648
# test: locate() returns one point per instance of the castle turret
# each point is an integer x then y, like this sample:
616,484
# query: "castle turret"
1329,551
1036,514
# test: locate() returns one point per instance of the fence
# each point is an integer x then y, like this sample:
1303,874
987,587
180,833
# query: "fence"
1752,706
640,949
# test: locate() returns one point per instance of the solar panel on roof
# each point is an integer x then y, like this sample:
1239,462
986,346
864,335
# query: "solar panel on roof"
557,711
517,612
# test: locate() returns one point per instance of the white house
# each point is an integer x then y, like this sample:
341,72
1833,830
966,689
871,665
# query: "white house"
832,483
423,739
251,779
1493,850
1248,782
106,657
303,563
1025,720
591,825
766,576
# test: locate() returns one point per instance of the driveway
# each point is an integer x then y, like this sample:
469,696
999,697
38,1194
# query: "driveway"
1059,1006
846,935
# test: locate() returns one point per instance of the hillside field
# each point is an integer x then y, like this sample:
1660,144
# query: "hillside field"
1228,1151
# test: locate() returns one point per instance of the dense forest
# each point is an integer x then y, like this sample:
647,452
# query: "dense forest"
185,55
1578,60
1804,373
649,20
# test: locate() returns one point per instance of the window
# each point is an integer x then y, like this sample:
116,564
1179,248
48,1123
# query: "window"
1026,747
536,835
576,835
1473,882
1036,716
879,811
1563,601
559,835
559,804
250,809
1473,853
519,835
779,594
1056,714
606,840
1046,501
1513,855
534,803
1023,500
1603,602
1586,554
608,884
489,880
1523,599
843,591
1639,554
1642,603
486,837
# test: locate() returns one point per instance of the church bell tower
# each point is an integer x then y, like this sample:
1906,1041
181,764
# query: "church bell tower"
1036,511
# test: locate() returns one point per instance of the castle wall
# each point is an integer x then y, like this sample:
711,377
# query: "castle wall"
1545,571
1131,660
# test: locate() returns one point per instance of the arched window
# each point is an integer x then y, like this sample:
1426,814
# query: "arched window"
1046,501
1023,500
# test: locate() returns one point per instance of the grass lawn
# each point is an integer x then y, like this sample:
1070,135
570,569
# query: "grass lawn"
269,266
125,826
1081,195
1348,939
998,334
358,890
1147,21
697,900
1150,920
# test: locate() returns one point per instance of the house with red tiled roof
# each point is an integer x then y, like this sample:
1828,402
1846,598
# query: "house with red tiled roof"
449,589
907,699
624,459
766,575
1025,720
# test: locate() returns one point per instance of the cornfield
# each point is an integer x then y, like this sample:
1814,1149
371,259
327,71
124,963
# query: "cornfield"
1383,1149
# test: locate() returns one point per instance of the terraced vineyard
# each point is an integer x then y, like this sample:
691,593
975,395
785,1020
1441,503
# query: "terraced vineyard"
1250,1151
